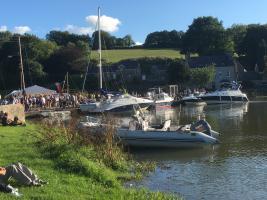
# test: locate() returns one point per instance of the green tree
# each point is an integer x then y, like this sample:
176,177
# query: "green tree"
237,32
207,36
128,41
70,58
178,72
106,40
164,39
62,38
200,77
254,46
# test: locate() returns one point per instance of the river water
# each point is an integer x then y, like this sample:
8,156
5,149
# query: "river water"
234,169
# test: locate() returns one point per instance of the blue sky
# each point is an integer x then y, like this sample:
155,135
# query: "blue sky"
135,17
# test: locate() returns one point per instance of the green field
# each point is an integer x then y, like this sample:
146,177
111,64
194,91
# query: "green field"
113,56
100,182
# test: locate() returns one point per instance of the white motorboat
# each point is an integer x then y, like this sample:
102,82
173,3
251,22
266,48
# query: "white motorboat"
163,99
229,94
119,103
140,134
160,98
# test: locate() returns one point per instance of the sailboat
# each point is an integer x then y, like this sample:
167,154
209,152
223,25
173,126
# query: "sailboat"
113,103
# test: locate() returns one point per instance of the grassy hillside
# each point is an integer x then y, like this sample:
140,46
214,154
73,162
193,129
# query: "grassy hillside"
122,54
99,182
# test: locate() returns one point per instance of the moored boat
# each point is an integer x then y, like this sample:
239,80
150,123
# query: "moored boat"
193,100
229,93
141,134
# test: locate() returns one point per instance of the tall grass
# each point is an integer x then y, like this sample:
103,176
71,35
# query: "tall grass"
89,151
72,162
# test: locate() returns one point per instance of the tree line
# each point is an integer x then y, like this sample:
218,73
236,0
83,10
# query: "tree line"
47,60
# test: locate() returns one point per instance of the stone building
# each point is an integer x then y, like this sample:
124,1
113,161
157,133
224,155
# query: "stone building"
227,69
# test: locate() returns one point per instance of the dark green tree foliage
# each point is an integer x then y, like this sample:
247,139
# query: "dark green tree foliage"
111,42
237,33
62,38
254,46
206,36
178,72
200,77
70,58
127,41
164,39
9,61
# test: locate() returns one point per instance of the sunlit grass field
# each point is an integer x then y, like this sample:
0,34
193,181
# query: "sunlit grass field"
113,56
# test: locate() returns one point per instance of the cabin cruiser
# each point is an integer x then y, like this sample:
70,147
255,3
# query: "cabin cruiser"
141,134
163,99
228,93
160,98
117,103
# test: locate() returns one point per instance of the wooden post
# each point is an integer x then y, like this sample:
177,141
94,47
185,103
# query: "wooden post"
22,80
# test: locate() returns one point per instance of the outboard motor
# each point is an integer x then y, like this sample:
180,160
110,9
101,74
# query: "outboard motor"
201,126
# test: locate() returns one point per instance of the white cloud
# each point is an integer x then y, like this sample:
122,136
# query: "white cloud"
79,30
108,24
3,28
139,43
21,29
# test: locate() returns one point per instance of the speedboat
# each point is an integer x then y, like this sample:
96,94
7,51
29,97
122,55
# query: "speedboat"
141,134
229,93
118,103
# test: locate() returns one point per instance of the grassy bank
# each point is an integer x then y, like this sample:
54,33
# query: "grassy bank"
73,173
113,56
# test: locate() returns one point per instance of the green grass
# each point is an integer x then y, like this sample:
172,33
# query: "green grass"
113,56
19,144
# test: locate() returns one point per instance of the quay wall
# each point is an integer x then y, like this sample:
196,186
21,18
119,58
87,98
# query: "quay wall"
14,110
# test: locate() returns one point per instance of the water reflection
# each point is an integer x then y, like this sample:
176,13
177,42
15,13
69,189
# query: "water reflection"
238,164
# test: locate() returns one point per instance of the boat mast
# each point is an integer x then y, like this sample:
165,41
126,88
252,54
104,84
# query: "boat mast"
99,50
22,80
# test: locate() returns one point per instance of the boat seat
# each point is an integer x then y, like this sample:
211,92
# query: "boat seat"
184,128
166,125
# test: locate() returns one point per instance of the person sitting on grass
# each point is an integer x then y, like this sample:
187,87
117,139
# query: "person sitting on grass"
5,120
22,174
16,122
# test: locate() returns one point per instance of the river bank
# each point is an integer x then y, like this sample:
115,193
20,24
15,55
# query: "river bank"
65,181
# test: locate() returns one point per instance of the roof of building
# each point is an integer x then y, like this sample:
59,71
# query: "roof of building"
218,61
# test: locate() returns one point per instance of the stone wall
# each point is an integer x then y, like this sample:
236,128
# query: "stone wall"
14,110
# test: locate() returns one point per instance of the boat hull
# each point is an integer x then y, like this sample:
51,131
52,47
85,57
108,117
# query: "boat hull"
96,108
224,99
166,139
128,108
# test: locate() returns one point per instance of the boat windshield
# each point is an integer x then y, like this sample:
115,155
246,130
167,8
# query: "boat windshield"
230,86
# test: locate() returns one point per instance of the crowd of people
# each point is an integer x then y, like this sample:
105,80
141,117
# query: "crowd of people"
32,102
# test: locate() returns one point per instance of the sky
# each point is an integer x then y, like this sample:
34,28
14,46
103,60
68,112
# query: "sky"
120,17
